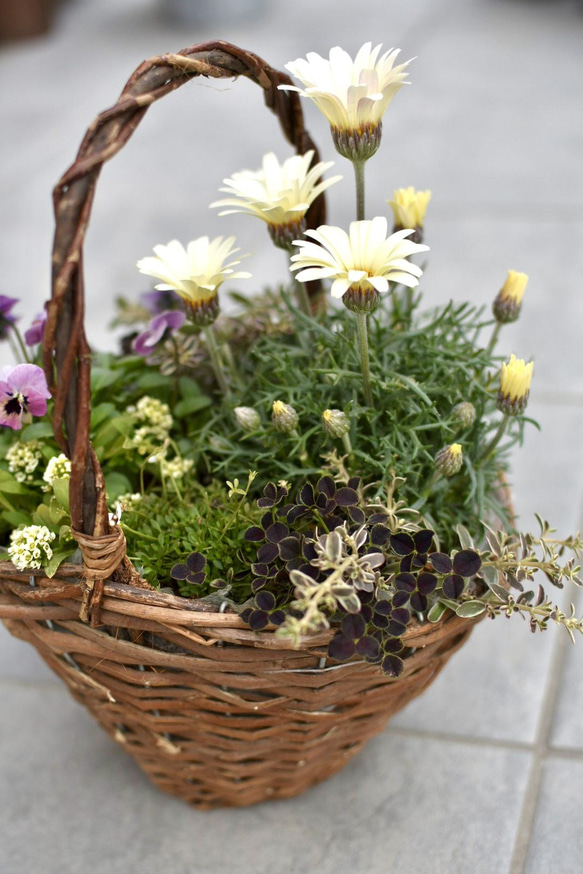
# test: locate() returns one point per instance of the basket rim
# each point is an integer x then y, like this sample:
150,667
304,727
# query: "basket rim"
177,609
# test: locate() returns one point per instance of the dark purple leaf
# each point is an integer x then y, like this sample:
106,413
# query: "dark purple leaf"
196,562
255,534
340,648
378,518
402,544
354,483
277,617
383,608
353,626
366,611
393,646
326,486
392,665
453,586
441,562
266,520
401,615
380,621
256,585
196,579
368,647
467,563
265,601
276,532
400,599
380,535
423,540
307,495
309,550
405,583
396,629
258,620
418,602
289,548
426,583
419,560
179,572
357,515
346,497
245,614
296,513
267,553
407,563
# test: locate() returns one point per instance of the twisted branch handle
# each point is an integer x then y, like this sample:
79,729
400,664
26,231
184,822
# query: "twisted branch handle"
66,353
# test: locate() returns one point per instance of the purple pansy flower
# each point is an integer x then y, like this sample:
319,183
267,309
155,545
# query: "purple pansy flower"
34,334
158,302
159,327
6,319
23,389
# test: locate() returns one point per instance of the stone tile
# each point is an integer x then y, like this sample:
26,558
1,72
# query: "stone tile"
20,661
567,730
557,840
494,687
77,803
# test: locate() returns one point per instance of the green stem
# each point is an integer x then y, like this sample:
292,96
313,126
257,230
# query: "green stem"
20,342
216,360
433,479
302,298
347,444
359,177
488,451
137,533
364,357
494,338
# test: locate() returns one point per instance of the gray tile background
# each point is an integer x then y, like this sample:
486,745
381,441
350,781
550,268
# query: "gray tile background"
484,773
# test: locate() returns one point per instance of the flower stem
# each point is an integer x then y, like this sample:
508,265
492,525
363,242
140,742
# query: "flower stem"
303,301
488,451
20,342
362,334
347,444
216,361
359,176
494,338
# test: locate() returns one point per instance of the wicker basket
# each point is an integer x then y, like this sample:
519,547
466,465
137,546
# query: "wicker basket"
213,712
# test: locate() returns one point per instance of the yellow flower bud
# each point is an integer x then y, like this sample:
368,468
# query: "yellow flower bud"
515,380
335,423
284,417
409,208
508,301
449,460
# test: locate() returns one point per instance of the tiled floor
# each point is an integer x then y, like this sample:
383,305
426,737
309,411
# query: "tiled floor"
484,773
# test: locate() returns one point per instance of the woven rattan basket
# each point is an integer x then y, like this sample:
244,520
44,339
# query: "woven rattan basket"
213,712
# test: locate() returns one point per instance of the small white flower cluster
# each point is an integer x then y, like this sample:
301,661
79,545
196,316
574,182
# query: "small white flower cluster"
156,422
31,546
59,467
176,467
128,501
23,459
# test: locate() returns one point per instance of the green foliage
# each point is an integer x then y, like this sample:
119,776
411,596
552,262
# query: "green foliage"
162,531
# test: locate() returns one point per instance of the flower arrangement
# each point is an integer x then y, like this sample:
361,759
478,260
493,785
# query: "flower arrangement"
309,462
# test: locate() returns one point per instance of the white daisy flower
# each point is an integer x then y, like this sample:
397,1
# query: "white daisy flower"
362,262
194,273
352,94
279,194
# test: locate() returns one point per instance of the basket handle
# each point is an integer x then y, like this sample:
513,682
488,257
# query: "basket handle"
66,353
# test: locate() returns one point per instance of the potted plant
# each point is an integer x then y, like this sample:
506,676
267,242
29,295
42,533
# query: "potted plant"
245,541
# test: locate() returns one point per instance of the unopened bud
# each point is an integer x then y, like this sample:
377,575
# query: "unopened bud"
508,301
515,380
449,460
464,414
359,299
335,423
358,144
248,418
284,417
